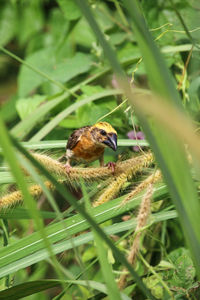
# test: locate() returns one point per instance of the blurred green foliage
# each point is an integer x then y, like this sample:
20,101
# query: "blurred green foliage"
62,64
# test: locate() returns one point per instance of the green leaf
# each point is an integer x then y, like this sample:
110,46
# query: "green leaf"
45,60
183,273
8,109
106,268
102,250
70,9
28,80
193,104
25,106
28,288
29,251
8,22
154,285
62,144
24,127
22,213
82,34
30,20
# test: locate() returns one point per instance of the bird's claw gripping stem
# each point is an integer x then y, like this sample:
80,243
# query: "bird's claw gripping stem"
111,165
67,168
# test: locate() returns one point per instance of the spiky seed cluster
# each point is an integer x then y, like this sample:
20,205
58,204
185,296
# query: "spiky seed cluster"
17,197
142,218
151,179
53,166
132,166
112,190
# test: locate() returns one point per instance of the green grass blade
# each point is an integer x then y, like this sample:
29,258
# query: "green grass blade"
175,167
22,213
159,75
30,288
14,262
59,144
13,162
72,225
103,254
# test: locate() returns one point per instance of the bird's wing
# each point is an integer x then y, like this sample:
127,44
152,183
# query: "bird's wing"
75,137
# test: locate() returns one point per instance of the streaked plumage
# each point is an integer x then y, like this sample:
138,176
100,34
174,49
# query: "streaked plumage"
87,144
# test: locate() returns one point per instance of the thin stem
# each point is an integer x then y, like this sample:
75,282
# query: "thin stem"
121,13
5,243
183,24
150,268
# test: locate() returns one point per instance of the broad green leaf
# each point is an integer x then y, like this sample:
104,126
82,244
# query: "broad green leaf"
25,126
28,80
154,285
45,60
25,106
183,273
70,9
30,20
8,109
82,34
8,21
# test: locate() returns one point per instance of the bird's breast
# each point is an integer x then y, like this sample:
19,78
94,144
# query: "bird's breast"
87,150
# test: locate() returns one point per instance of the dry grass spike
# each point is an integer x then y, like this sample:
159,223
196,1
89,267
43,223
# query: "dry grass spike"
16,197
151,179
142,218
132,167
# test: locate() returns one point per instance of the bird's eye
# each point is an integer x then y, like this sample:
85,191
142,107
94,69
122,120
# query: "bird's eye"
103,132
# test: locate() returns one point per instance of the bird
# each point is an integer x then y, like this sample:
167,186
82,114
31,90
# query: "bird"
88,143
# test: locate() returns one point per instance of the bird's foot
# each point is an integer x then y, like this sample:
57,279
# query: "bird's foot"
111,165
68,168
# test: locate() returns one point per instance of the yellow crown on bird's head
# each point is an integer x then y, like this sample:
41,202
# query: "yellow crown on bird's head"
105,126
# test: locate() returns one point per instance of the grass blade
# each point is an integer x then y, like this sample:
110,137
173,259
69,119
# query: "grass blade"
14,263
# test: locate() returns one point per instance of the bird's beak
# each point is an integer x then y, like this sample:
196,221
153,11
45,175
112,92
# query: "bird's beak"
111,141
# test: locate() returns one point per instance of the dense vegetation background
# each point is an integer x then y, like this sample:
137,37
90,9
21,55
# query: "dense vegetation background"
59,73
